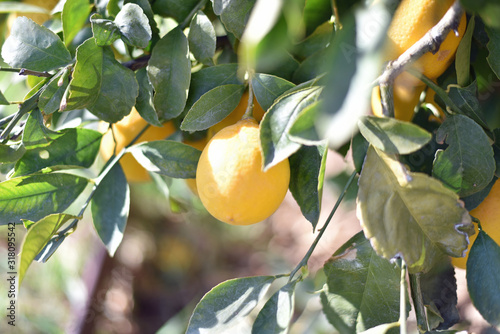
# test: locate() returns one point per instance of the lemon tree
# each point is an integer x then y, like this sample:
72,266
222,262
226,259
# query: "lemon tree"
244,100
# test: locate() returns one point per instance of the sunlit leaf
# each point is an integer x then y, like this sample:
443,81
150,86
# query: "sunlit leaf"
234,14
202,38
267,88
50,99
144,102
37,237
225,308
36,196
36,134
360,284
412,215
74,15
133,25
34,47
393,136
168,157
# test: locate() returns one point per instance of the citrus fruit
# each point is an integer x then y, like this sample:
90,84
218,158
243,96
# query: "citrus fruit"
231,183
488,213
237,114
124,131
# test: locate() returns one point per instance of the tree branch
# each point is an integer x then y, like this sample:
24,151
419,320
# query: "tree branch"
430,42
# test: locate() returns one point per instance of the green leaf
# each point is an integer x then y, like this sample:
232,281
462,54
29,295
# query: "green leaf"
101,84
36,134
462,57
465,99
37,237
494,49
3,100
412,215
467,165
352,66
359,146
202,39
360,284
224,308
34,47
317,13
36,196
483,277
169,71
275,316
267,88
276,145
210,77
471,202
144,101
77,147
212,107
134,25
393,136
167,157
11,153
50,99
74,16
306,185
104,31
234,14
303,130
488,10
439,292
18,7
110,208
178,9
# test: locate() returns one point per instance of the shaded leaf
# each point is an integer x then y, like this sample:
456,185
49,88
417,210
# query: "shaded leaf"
144,101
169,71
110,208
360,284
34,47
178,9
267,88
37,237
133,25
224,309
359,147
212,107
167,157
483,277
77,147
36,196
412,215
494,49
302,130
467,165
74,16
234,14
50,98
275,316
11,153
276,145
471,202
306,180
393,136
462,56
202,38
36,134
465,99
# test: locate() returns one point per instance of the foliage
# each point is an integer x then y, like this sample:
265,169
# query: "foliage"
312,66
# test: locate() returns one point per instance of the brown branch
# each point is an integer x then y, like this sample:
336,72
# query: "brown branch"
430,42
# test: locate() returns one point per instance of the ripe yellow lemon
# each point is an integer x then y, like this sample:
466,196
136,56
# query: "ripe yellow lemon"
200,145
237,114
231,183
488,213
124,131
411,21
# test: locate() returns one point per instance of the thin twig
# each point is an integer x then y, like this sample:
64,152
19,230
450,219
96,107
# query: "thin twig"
23,71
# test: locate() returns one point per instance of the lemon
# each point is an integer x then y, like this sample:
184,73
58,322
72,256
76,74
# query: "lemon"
237,114
231,183
124,131
488,213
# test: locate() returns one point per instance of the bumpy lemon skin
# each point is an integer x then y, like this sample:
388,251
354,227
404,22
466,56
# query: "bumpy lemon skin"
411,21
237,114
488,213
231,184
124,131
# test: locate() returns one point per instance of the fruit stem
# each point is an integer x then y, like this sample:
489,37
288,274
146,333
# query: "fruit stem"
416,295
430,42
338,25
249,111
306,257
402,297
